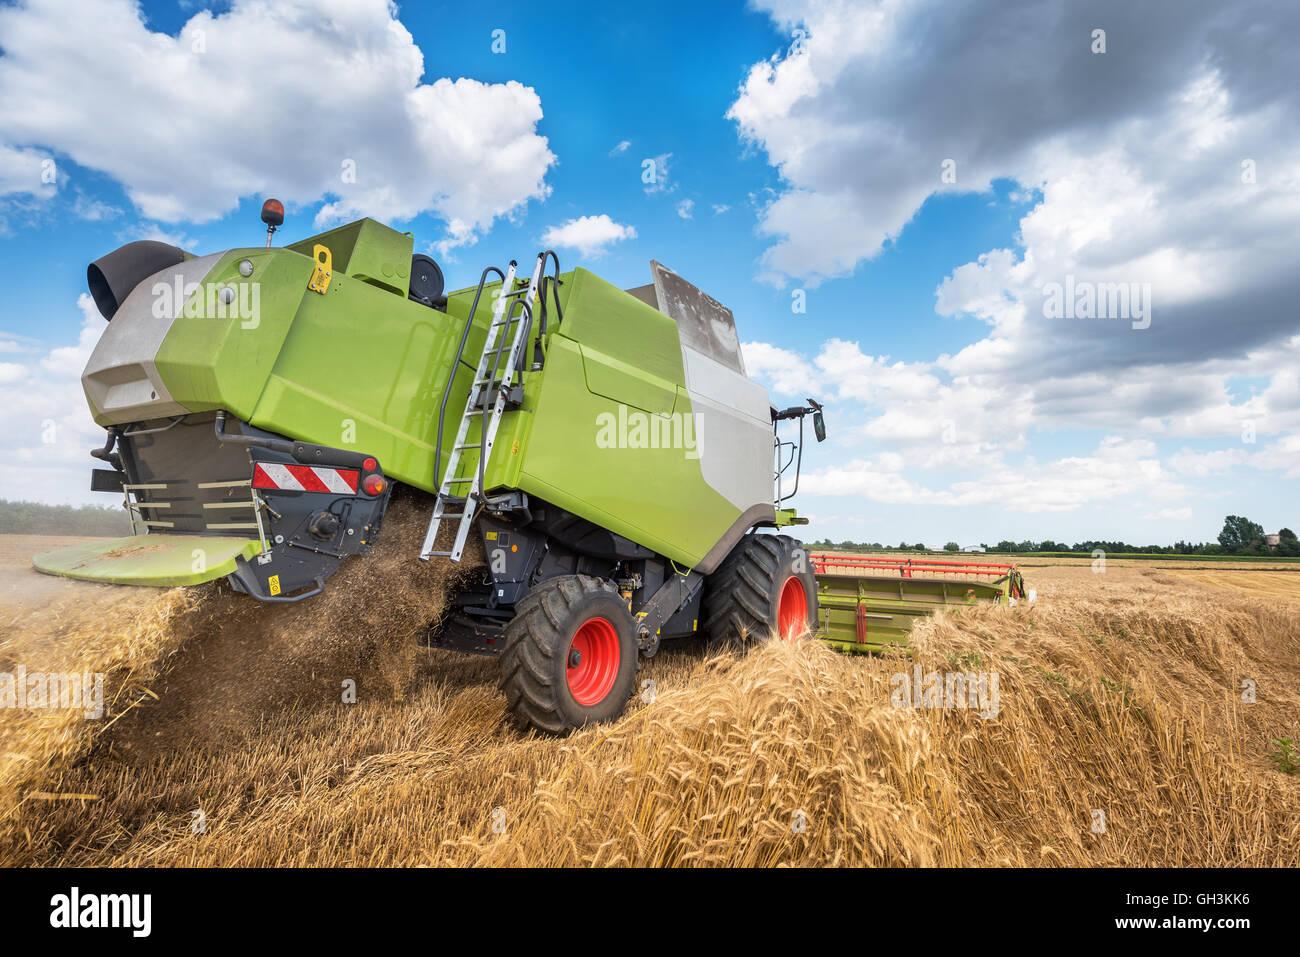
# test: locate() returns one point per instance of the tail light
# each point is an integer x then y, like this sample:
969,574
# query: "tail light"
374,485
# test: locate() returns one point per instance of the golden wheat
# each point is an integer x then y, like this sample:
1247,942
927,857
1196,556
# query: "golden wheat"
1118,693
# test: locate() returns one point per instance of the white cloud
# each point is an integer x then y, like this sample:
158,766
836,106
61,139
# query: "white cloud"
720,208
1089,141
589,235
23,172
787,373
10,342
1202,464
288,99
1283,455
93,210
622,147
1116,470
46,432
929,419
161,234
686,208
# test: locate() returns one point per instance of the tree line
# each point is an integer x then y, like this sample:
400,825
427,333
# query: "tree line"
1240,536
34,518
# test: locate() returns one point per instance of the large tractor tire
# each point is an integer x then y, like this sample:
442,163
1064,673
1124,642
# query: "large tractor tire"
571,655
765,586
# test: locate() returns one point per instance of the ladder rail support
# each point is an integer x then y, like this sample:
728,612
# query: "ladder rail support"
485,403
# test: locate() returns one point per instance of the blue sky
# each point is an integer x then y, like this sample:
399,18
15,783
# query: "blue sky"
802,148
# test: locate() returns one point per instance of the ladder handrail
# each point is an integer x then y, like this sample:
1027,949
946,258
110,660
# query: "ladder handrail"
460,357
449,478
487,399
522,336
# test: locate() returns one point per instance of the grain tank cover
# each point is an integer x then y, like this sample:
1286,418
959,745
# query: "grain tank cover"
704,324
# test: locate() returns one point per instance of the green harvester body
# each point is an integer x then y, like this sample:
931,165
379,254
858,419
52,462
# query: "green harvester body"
263,404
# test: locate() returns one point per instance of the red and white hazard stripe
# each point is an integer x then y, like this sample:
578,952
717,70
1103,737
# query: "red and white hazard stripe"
304,478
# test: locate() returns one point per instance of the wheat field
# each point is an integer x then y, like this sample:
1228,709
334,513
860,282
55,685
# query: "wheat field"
228,742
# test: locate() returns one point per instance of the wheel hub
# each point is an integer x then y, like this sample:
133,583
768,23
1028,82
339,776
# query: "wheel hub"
792,609
593,659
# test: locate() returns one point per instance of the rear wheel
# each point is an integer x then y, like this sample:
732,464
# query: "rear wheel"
765,586
571,655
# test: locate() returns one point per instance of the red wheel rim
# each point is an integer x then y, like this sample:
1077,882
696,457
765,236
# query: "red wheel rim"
792,610
598,657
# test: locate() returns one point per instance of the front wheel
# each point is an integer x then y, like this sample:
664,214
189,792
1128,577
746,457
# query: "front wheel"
571,655
765,586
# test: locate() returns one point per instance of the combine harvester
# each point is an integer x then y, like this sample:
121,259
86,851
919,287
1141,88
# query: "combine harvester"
604,445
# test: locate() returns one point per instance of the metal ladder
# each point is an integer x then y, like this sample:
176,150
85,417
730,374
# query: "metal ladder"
480,405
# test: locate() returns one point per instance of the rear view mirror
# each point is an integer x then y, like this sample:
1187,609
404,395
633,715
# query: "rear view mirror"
819,426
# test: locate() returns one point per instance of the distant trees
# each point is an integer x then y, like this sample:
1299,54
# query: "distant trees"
1241,536
34,518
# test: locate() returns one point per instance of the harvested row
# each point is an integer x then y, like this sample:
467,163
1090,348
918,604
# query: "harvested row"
1117,695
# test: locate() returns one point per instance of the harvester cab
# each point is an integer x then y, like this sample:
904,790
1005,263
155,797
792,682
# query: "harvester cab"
604,446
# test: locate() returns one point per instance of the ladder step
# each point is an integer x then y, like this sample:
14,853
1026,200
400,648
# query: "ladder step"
496,347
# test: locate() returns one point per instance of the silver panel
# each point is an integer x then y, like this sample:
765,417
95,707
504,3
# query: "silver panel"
734,429
121,380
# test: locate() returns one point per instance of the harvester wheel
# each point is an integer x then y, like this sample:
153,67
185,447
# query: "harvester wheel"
571,655
765,586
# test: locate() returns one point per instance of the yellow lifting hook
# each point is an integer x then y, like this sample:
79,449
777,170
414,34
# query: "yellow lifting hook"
320,277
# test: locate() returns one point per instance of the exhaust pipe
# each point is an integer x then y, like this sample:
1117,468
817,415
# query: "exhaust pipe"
111,278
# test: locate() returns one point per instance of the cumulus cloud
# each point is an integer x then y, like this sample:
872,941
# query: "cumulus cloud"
1166,165
1116,470
46,432
927,418
591,236
307,100
686,209
958,441
1202,464
25,172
